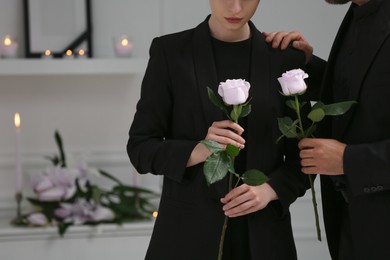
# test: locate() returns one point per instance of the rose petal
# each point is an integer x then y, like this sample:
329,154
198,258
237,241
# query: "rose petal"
37,219
54,194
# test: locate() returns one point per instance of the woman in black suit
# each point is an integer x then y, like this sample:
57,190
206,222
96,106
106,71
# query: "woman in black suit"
174,114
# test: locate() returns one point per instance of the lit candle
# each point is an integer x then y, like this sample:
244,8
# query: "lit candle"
9,47
68,54
123,46
18,155
47,54
81,54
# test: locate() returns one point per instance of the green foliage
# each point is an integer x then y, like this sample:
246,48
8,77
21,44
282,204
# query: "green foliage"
128,203
216,167
221,160
294,128
254,177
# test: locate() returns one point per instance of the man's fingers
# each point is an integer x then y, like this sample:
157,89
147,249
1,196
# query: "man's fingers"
307,143
308,163
310,170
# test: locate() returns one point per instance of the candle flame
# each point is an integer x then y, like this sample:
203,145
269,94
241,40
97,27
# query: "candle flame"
81,52
154,214
125,42
47,52
7,41
69,52
17,120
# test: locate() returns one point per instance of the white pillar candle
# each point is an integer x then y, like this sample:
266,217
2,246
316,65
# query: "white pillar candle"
123,46
18,160
9,47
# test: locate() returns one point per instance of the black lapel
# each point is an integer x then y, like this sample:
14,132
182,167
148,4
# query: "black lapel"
367,48
205,71
260,94
206,76
327,88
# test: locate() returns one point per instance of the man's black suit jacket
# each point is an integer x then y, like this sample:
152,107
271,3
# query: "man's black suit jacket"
366,131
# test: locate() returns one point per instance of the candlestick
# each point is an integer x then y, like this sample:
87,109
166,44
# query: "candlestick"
18,220
9,47
123,46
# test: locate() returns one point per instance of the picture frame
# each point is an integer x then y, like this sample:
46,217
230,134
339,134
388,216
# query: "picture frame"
57,26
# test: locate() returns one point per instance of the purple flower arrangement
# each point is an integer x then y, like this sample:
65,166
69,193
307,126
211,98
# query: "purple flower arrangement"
65,196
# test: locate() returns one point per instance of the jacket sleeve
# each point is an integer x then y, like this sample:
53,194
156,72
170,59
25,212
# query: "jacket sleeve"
288,181
150,148
367,167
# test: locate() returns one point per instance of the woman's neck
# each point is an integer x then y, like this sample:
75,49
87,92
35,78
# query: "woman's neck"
228,35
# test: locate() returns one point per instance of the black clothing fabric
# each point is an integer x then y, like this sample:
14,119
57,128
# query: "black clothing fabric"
358,69
174,114
232,61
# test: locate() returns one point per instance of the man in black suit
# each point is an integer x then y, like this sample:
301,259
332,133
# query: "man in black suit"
174,114
355,162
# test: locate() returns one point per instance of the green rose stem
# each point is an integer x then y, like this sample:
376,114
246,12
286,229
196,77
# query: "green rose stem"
313,192
225,223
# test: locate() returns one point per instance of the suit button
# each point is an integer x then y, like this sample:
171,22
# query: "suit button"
366,190
379,187
374,189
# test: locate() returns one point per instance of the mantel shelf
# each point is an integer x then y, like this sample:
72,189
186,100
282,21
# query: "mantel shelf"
52,67
10,233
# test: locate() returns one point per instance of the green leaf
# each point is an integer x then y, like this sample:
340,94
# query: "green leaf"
231,167
232,151
213,98
316,115
278,140
216,167
212,146
58,139
291,104
287,127
246,109
54,159
310,131
339,108
125,188
217,101
62,227
254,177
318,104
109,176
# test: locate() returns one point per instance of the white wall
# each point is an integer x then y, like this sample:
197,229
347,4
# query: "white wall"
93,113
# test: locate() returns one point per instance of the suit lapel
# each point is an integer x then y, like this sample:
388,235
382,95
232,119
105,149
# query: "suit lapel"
206,76
365,52
260,94
205,71
327,88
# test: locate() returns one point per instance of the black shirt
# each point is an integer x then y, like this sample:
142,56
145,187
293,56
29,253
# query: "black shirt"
232,61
